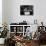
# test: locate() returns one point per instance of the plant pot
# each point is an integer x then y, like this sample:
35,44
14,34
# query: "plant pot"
2,40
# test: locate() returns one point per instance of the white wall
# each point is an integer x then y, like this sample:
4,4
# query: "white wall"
4,12
0,13
12,11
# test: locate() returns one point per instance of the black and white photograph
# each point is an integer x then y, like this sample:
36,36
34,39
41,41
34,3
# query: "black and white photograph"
26,10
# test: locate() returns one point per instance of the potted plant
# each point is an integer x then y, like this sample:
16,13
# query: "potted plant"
3,34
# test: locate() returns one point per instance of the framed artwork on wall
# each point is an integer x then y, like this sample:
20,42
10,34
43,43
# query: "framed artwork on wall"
26,10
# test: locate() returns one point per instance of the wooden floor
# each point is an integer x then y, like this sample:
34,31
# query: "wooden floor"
32,45
1,45
42,45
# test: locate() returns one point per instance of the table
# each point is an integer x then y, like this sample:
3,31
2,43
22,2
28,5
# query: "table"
23,42
26,42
